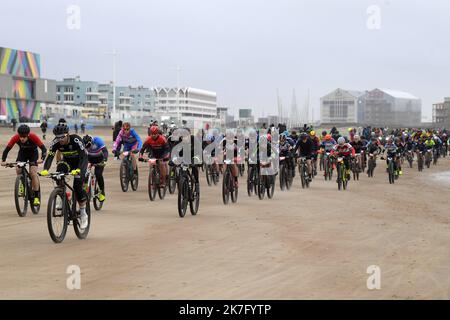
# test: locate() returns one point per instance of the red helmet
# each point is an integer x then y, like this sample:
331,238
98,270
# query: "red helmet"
154,130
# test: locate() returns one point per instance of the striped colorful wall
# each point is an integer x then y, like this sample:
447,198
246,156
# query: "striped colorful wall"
20,108
20,63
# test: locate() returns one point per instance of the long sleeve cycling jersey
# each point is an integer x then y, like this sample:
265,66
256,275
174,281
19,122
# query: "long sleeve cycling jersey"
74,153
97,150
159,148
344,150
29,147
130,140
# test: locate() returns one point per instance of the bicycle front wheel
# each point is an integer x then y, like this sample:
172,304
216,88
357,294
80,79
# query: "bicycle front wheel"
183,197
57,215
21,196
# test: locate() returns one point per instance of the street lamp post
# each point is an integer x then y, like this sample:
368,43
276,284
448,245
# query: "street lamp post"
114,55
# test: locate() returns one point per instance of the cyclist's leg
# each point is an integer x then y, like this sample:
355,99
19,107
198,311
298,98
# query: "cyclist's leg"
99,177
309,165
164,170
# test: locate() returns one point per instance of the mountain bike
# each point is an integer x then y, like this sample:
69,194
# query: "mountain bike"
229,188
92,189
409,158
266,183
435,156
303,170
371,164
252,179
127,174
391,172
188,192
428,158
23,192
174,176
342,180
62,209
420,161
154,180
285,173
354,165
212,173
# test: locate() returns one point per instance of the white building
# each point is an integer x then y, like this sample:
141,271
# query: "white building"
340,106
195,106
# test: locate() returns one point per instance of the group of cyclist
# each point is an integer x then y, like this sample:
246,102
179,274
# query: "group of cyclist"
74,153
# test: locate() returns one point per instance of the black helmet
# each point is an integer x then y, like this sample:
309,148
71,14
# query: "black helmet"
87,140
60,129
23,130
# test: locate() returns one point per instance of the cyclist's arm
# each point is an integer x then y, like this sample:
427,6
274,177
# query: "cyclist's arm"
51,154
9,146
83,157
118,141
139,140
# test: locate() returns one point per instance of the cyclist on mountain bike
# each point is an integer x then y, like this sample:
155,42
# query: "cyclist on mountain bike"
359,147
28,143
316,148
345,150
158,148
98,156
306,149
391,150
234,168
131,143
75,157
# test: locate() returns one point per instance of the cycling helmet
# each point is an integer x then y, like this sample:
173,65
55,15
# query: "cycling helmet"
304,135
62,167
154,130
23,130
328,137
341,141
312,133
87,140
324,133
60,130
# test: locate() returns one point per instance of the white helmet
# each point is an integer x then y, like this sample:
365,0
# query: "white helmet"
341,141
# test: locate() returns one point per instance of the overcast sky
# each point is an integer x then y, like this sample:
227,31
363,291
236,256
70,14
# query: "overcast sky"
242,49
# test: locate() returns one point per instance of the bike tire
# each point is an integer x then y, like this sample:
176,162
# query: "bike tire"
209,176
135,180
22,212
250,181
172,179
270,186
282,177
183,197
98,205
152,185
225,187
194,203
53,213
261,187
124,180
83,233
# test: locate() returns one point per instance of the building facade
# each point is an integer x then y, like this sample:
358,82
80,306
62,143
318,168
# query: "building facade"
441,113
386,107
340,106
197,107
74,92
97,99
22,90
